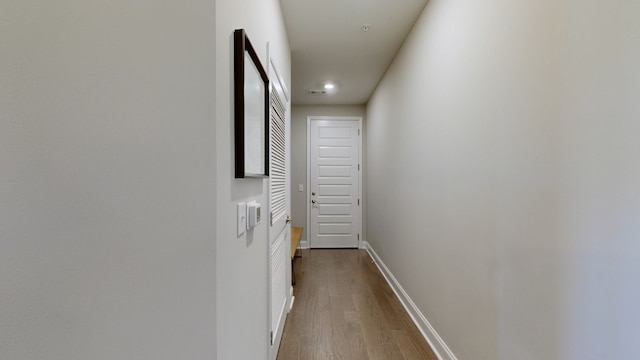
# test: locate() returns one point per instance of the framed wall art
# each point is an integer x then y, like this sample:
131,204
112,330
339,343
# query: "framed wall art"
251,105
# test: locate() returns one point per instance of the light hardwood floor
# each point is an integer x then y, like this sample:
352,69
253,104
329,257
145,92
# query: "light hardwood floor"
344,309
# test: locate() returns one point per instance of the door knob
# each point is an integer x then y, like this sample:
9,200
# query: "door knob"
313,194
313,201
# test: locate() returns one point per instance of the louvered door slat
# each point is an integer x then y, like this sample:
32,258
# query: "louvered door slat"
278,157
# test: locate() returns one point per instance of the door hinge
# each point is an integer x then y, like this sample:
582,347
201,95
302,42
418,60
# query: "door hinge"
358,167
358,237
271,218
271,336
358,202
358,131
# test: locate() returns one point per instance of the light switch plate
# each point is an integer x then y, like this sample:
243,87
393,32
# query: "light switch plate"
300,187
242,218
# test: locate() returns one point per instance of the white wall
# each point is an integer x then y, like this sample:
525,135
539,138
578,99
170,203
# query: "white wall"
504,187
242,261
299,154
107,187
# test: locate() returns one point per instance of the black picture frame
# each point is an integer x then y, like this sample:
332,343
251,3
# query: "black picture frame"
251,106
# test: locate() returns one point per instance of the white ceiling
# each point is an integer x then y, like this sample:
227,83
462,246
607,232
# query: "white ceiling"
328,44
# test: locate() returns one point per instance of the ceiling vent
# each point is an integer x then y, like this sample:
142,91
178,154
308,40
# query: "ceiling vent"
318,92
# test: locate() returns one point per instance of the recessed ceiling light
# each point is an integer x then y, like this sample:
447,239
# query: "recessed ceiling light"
329,86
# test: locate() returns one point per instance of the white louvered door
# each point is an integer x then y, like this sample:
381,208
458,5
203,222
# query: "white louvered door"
278,204
278,211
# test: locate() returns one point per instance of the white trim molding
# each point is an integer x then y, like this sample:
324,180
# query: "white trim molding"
438,345
292,298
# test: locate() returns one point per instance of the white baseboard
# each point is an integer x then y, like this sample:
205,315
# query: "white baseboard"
292,299
437,344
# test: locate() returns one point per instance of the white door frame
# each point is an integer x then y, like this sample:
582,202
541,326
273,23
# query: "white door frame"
360,172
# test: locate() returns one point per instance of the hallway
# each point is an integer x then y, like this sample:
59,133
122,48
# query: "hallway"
344,309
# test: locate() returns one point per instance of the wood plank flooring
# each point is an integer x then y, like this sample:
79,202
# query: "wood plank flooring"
344,309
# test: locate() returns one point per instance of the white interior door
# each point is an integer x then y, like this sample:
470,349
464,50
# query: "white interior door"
334,182
279,205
